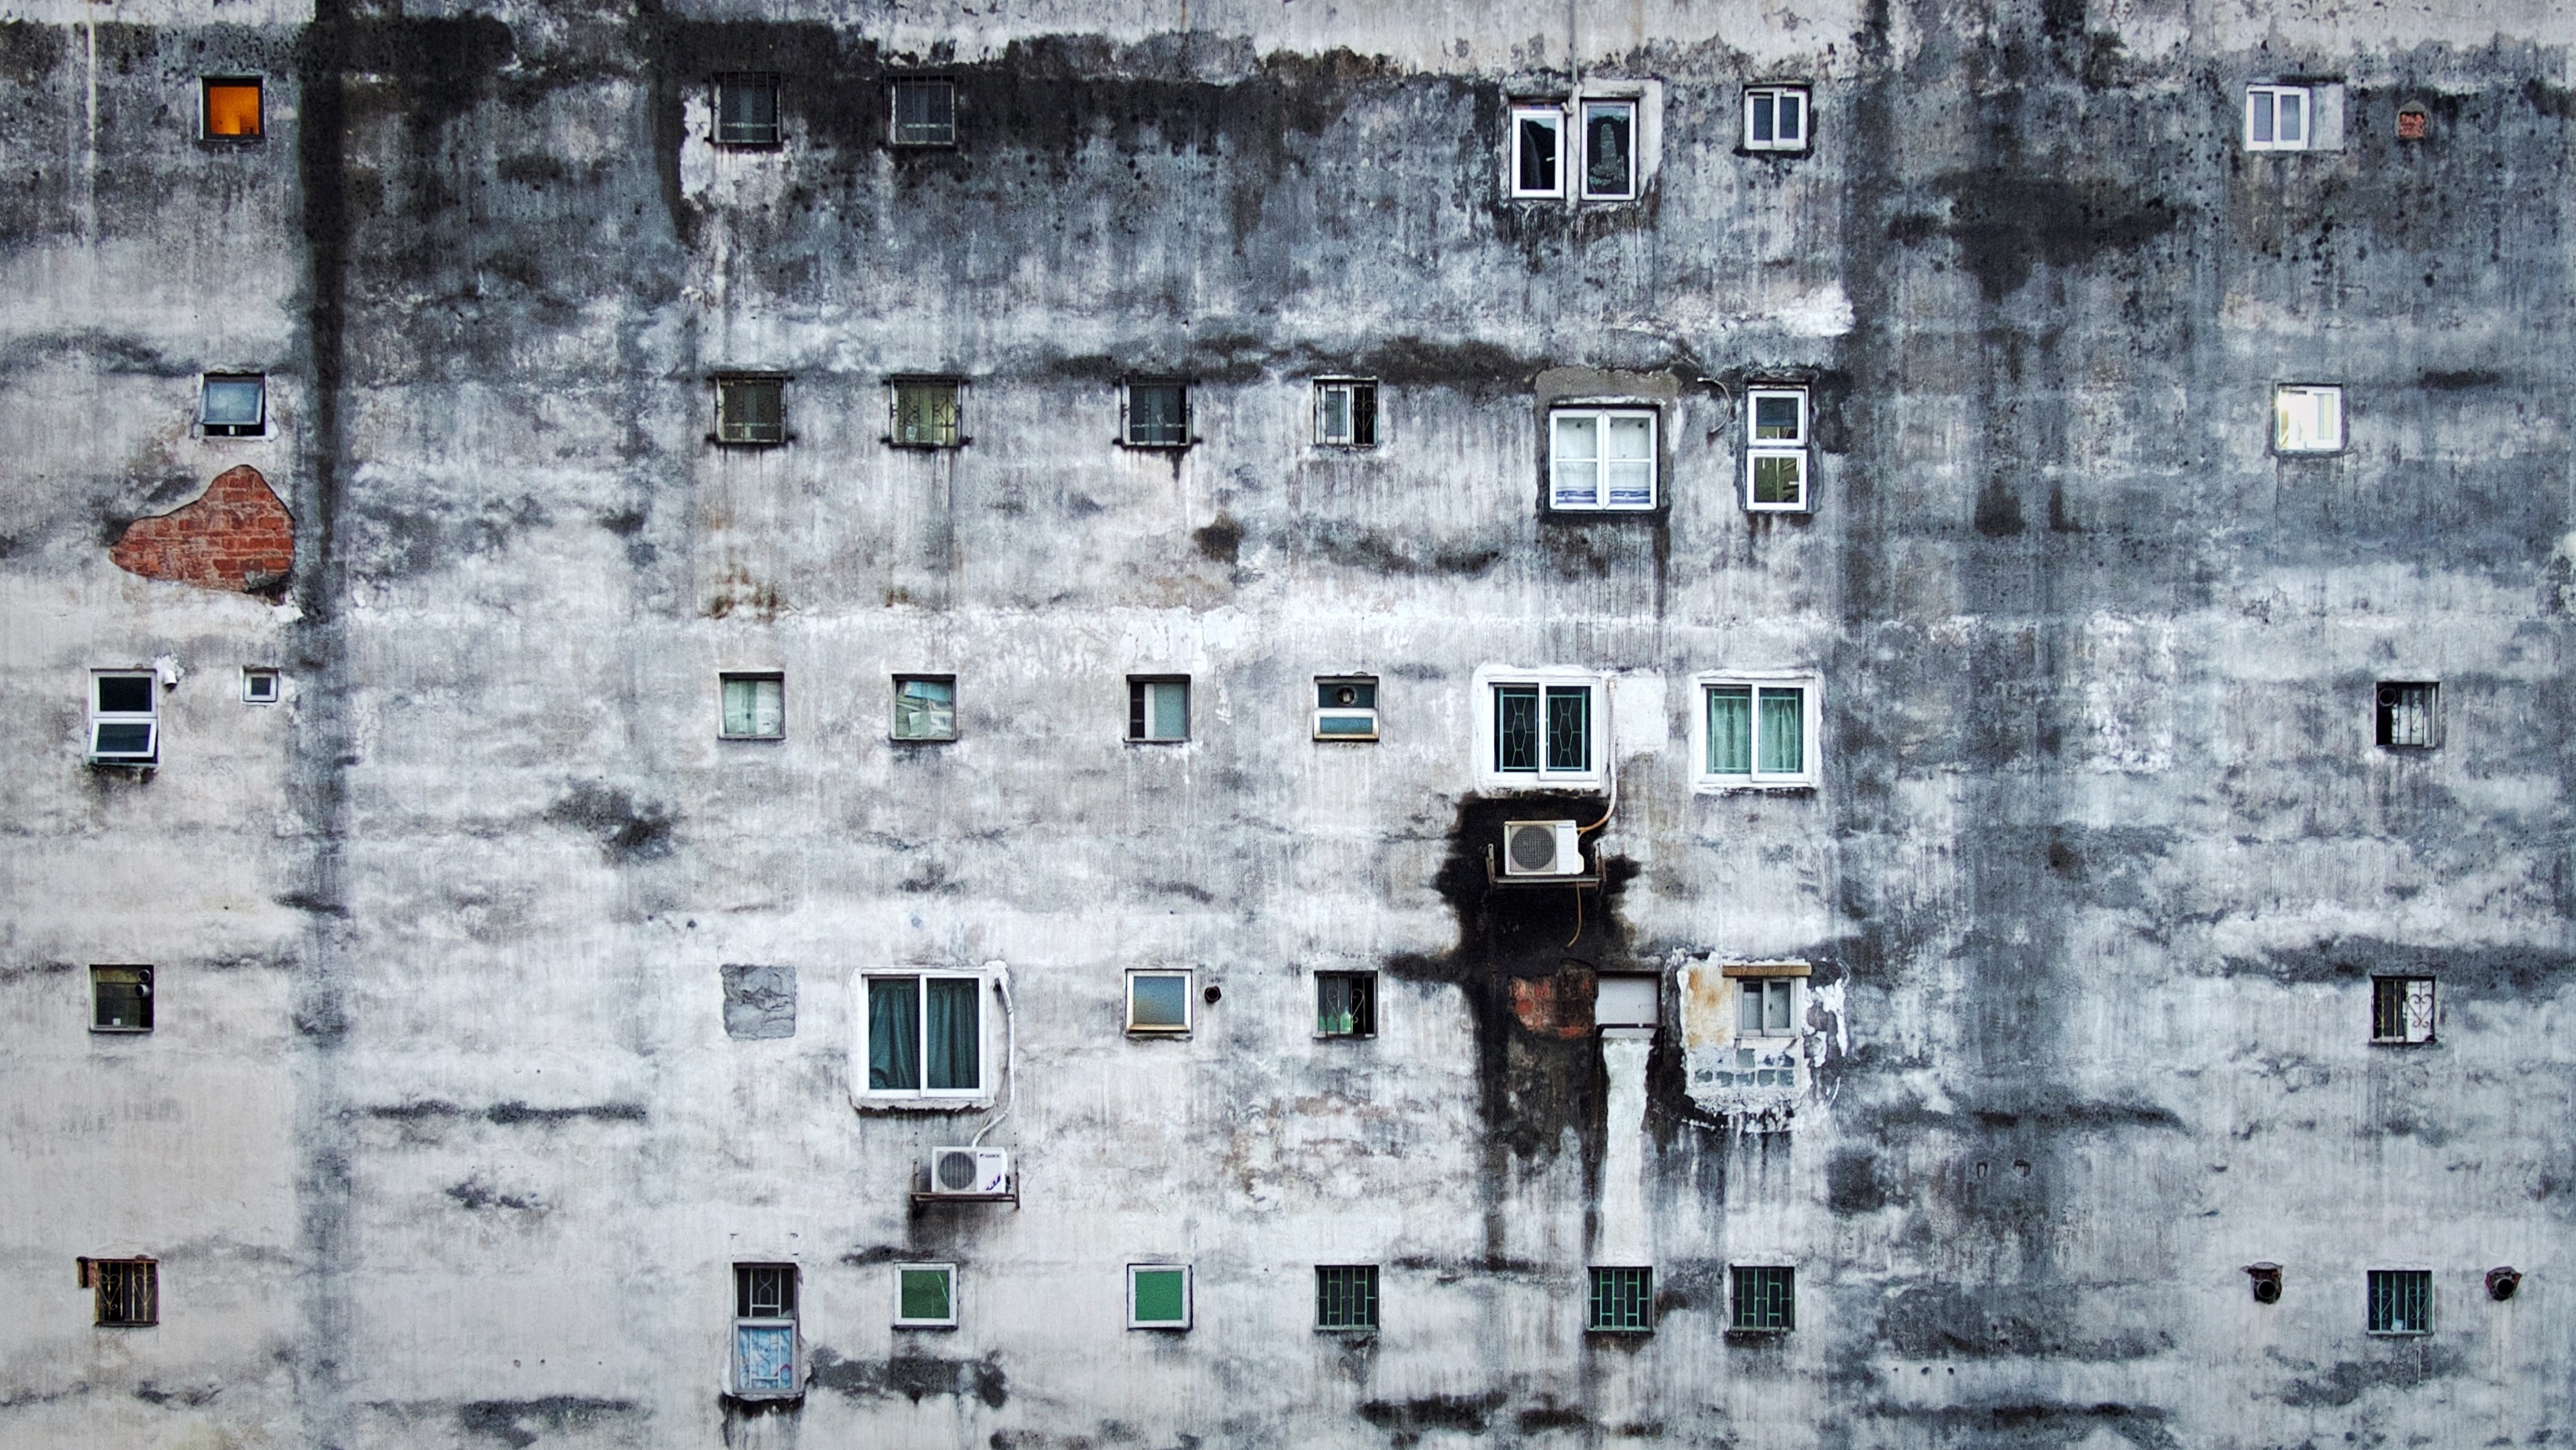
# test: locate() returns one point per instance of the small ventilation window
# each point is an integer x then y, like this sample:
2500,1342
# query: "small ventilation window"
1346,1296
2401,1009
751,411
925,1296
2401,1301
120,999
2409,714
1158,1003
232,405
1158,1296
1765,1300
1622,1301
755,707
1346,1004
1158,709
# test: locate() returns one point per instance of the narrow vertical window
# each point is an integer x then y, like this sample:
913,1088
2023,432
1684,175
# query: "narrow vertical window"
1569,728
755,707
2401,1301
925,707
1346,1296
1765,1300
120,999
1621,1301
1609,150
747,110
2409,716
1158,709
233,405
2401,1009
1538,151
1516,728
233,109
764,1332
925,112
1776,450
751,411
1346,1004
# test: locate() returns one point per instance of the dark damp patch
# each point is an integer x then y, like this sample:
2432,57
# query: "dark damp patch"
1470,366
1998,509
1221,540
2511,971
2006,222
190,1396
2014,1321
2453,382
1853,1184
520,1423
474,1195
509,1114
1356,547
1547,1414
1466,1414
2032,1425
881,1254
625,830
2405,1364
915,1377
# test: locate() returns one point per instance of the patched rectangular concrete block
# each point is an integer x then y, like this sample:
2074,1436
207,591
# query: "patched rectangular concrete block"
759,1001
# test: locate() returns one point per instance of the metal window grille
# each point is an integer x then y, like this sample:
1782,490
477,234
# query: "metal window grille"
2401,1009
747,110
764,1291
1622,1299
121,999
129,1290
1516,727
1346,1004
926,413
751,410
1765,1299
1569,728
1158,415
925,113
1346,414
2401,1301
1346,1296
2408,718
764,1330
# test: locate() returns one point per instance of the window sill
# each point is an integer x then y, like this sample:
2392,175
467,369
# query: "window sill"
1619,1333
892,442
773,144
1756,148
2398,1333
1755,1336
750,443
1342,1332
1132,740
903,1326
1158,447
2401,1042
888,1103
1158,1034
1552,512
133,767
753,739
1345,1037
120,1032
921,739
232,143
1754,787
765,1397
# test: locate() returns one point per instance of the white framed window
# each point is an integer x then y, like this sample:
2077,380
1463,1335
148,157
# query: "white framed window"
925,1296
1766,1006
1158,709
1346,412
1775,118
1755,729
1609,150
921,1038
124,717
1539,727
768,1359
2277,118
1538,150
2307,418
925,111
232,405
925,707
259,685
755,706
1159,1002
1346,707
1775,450
1601,459
1158,1296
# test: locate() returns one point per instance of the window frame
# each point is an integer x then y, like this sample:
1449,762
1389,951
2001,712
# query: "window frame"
2377,1325
894,730
143,996
207,85
1140,711
95,1277
729,81
1356,388
1774,93
1362,1017
1597,1277
1487,741
923,1098
2270,94
789,1318
1760,985
256,675
1553,114
956,435
207,428
1189,1002
1127,413
1603,412
2398,1006
1188,1296
1366,1279
1801,449
947,1271
726,680
150,754
2385,715
2282,445
1811,725
1354,712
731,433
1748,1315
895,137
1583,109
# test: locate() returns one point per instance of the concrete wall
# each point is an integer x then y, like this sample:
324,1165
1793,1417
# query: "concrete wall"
442,1139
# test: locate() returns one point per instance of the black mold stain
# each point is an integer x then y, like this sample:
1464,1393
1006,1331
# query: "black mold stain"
1407,1419
474,1195
626,831
521,1423
2528,972
1937,1321
508,1115
1221,540
1853,1184
915,1377
2007,221
2406,1364
190,1396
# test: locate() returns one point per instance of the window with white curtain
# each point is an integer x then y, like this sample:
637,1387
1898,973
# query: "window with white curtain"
1755,730
755,707
1601,459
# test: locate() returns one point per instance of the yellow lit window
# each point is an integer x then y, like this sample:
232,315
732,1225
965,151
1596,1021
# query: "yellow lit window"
232,109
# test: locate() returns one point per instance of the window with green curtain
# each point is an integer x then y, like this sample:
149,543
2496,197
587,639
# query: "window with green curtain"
951,1040
1730,730
923,1295
1784,732
894,1034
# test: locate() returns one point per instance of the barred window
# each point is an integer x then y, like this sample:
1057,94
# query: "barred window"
1346,1296
747,110
1622,1300
128,1290
764,1332
925,112
2401,1009
2401,1301
1765,1299
751,410
2408,718
926,412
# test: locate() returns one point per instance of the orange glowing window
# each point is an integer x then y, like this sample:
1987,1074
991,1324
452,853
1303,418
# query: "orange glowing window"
232,108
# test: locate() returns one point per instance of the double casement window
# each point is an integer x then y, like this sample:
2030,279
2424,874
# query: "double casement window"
1601,459
1346,1004
1604,151
925,1035
232,110
926,412
232,405
1775,450
120,999
751,410
1158,1296
925,1296
1543,730
2401,1301
1346,412
1775,118
2277,118
1756,730
755,707
1766,1299
925,112
2307,419
128,1291
746,110
1155,415
2409,715
1158,709
925,707
124,717
766,1359
1346,1296
2401,1009
1621,1300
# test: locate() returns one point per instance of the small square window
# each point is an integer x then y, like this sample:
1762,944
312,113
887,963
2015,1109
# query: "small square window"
2401,1009
1156,415
751,411
120,999
2307,419
1766,1300
926,412
125,718
233,111
1609,150
2401,1301
1346,413
925,112
1538,151
925,707
1346,1004
925,1035
1601,459
1775,450
233,405
2409,714
1766,1007
259,686
1346,1296
1158,1296
1630,1000
1543,730
765,1349
1158,1002
2277,118
1158,708
128,1291
747,110
1622,1301
1756,732
1346,707
925,1296
1775,118
755,707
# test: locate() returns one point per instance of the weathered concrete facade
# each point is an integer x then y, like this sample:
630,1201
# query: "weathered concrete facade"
502,1006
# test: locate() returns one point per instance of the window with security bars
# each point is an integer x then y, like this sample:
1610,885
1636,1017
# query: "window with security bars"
751,412
2401,1301
1346,1004
1765,1300
1756,733
2401,1009
755,707
1622,1300
1601,460
1543,730
747,110
1156,415
925,112
2409,715
1775,450
128,1290
1346,412
1346,1296
120,999
925,1035
764,1331
926,412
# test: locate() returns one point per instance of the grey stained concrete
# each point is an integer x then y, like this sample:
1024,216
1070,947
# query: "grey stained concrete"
458,1105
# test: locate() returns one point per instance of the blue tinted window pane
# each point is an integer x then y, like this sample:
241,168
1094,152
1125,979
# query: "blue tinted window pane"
1161,1001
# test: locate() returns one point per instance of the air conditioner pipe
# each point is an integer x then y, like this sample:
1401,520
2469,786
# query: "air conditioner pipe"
1610,764
1010,1053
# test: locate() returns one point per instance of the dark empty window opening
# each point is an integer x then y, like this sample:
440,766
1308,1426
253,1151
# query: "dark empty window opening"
2401,1301
233,109
747,110
1346,1004
1622,1301
926,412
2401,1009
233,405
925,113
1346,1296
1157,415
2409,715
751,411
128,1290
120,999
1765,1300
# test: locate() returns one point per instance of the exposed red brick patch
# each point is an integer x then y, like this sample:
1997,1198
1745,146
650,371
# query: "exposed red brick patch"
235,535
1558,1006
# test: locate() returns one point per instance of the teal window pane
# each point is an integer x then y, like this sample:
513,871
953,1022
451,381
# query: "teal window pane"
925,709
1158,1002
1171,704
1784,732
1161,1296
235,402
1765,1299
923,1294
1730,730
894,1034
1516,727
951,1042
1569,728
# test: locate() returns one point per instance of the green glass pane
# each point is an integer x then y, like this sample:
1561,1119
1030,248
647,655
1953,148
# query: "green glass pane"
1730,730
925,1294
1162,1295
1780,478
1784,732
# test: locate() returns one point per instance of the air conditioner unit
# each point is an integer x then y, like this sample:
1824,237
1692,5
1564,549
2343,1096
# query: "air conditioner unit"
969,1172
1541,848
